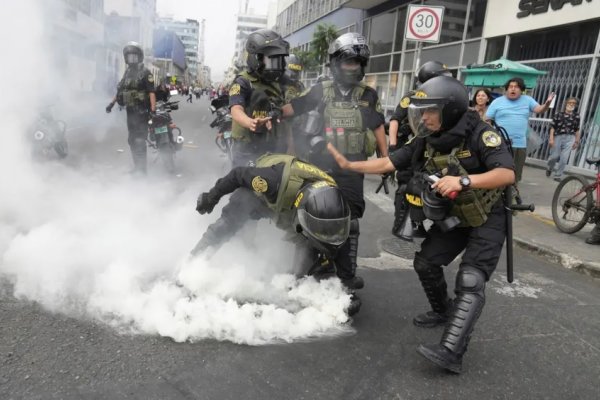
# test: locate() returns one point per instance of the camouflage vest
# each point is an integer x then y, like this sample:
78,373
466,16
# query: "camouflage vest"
295,175
134,95
471,206
273,93
344,123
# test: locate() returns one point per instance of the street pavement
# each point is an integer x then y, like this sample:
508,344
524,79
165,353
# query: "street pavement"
537,337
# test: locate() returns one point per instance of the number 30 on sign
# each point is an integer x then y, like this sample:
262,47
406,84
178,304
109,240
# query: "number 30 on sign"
424,23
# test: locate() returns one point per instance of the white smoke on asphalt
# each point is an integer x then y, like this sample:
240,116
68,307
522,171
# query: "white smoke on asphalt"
101,245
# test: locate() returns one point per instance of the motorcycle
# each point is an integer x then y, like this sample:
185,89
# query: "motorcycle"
163,135
223,123
49,136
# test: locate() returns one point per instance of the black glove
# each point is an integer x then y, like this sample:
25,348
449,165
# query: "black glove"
109,107
205,203
392,148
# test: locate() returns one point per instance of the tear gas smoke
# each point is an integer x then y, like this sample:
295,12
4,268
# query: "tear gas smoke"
92,242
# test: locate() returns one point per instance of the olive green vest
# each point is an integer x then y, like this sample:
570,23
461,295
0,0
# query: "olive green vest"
273,92
133,95
471,206
295,174
344,123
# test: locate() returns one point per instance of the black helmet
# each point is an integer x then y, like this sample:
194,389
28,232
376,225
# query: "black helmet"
265,54
133,53
349,46
437,105
435,206
431,69
322,216
293,67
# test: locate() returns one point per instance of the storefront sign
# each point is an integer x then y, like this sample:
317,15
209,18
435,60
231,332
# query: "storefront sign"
424,23
529,7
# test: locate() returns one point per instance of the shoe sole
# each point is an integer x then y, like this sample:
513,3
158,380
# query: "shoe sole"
429,355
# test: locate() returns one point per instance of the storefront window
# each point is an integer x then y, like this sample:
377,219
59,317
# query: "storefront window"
570,40
494,48
453,22
476,18
382,33
396,62
448,55
470,53
400,27
379,83
379,64
409,59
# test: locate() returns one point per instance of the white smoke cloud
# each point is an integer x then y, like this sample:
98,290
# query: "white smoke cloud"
94,243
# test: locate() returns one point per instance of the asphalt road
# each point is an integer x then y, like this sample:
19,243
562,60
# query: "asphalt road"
537,338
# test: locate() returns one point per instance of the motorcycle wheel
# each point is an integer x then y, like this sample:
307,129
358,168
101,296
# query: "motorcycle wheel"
167,156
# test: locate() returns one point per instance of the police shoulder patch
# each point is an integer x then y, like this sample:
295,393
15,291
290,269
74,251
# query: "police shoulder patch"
405,102
259,184
234,90
491,139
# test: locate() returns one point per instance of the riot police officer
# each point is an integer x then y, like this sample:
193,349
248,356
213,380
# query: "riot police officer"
474,162
291,84
255,94
299,197
136,93
400,133
353,120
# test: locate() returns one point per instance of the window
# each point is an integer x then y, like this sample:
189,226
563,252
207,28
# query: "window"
453,22
382,33
379,64
470,53
476,18
494,49
446,54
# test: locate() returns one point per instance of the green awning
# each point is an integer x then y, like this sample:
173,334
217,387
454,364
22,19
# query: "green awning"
497,73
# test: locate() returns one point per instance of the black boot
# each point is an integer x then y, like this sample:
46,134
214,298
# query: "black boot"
594,235
346,259
470,299
436,290
138,153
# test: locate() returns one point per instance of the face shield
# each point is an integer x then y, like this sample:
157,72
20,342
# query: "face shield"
132,58
274,67
328,231
425,119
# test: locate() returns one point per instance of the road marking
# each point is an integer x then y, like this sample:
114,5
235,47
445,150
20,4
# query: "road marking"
191,146
383,202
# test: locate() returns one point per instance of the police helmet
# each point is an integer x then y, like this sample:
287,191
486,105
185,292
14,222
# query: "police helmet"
435,206
322,216
133,53
437,105
265,54
431,69
293,67
348,47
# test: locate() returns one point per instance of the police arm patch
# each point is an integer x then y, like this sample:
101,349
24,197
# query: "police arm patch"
491,139
405,102
259,184
234,90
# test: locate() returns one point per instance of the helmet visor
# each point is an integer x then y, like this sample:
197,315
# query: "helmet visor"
330,231
132,58
425,119
276,63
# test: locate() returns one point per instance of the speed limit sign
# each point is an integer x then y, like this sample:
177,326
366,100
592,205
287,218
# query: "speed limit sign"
424,23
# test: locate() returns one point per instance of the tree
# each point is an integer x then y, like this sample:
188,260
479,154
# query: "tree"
308,59
322,37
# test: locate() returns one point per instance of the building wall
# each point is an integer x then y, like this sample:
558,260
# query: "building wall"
189,33
246,24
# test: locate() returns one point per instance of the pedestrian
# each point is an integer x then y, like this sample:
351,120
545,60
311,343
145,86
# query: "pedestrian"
136,93
300,198
471,160
353,119
511,112
190,95
399,134
564,137
254,94
481,100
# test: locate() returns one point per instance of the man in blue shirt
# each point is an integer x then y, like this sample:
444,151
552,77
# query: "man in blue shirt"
511,112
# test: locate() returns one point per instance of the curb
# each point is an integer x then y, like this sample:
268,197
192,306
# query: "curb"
565,260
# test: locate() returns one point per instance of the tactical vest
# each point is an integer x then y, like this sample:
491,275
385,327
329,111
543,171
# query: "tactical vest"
295,174
293,90
471,206
134,95
273,92
344,123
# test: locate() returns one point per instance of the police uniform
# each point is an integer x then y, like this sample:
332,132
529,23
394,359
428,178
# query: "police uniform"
470,147
350,120
133,92
257,97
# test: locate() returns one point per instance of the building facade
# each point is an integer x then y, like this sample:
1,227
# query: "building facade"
189,33
561,39
169,54
246,24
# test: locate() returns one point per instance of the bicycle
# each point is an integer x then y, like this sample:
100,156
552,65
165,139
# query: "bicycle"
573,203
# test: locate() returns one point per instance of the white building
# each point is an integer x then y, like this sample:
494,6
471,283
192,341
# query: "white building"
189,33
247,23
143,14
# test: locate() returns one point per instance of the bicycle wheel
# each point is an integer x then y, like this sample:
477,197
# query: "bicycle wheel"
571,204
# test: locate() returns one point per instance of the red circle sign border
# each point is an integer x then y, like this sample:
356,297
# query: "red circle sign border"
437,23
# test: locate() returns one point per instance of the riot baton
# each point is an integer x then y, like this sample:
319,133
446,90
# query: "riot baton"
509,208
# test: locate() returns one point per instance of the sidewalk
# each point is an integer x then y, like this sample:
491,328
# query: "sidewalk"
536,231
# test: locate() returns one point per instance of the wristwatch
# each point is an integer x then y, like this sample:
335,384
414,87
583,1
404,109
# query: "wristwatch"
465,181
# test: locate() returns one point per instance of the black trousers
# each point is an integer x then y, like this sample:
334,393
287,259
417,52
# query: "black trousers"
482,245
137,127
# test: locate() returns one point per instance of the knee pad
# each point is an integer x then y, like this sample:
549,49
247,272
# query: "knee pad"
423,266
470,280
354,227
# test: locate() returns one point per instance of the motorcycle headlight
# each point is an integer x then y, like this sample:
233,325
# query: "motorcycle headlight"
39,135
